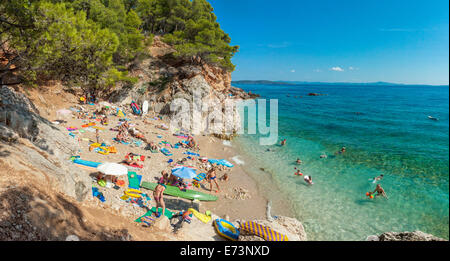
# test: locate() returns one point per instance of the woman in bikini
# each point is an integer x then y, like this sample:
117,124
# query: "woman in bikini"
158,194
212,177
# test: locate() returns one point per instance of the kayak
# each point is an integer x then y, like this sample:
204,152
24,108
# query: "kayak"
176,192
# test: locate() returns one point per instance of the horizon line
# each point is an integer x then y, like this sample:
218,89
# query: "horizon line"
293,81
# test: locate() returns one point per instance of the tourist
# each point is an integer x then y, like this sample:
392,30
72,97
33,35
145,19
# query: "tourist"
97,135
283,142
158,194
165,177
132,159
104,120
225,177
378,178
298,161
380,191
308,180
298,173
212,177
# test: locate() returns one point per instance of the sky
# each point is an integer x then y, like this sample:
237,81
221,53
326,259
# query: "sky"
338,41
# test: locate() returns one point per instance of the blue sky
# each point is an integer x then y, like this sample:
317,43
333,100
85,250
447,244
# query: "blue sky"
338,41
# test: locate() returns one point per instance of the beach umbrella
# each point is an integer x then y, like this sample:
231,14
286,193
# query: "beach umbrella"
112,169
184,173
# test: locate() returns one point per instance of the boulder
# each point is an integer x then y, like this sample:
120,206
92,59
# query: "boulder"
38,143
404,236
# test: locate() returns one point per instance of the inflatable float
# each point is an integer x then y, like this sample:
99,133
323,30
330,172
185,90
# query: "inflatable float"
226,229
86,163
202,217
262,231
176,192
134,193
135,108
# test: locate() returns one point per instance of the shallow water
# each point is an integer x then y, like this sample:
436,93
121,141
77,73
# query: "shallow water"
386,130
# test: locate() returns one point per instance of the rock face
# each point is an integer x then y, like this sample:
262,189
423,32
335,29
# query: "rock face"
163,79
404,236
36,146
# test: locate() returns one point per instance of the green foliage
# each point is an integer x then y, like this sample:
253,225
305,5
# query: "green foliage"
191,27
90,42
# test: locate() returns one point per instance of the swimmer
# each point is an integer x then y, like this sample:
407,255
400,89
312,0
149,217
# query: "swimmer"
283,142
308,179
380,191
298,161
342,151
323,156
378,178
298,173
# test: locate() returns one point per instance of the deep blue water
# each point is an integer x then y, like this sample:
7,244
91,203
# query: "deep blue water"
386,130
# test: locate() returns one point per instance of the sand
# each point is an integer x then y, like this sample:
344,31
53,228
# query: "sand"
251,206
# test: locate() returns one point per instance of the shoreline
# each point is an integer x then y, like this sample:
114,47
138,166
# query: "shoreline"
210,147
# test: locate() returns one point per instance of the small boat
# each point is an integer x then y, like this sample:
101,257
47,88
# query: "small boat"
433,118
226,229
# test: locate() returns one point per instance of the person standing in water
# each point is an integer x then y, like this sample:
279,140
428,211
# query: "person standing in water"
308,180
283,142
380,191
158,194
298,161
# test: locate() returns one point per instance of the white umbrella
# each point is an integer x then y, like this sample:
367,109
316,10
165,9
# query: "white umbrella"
112,169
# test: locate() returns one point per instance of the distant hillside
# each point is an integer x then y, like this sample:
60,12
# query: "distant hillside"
265,82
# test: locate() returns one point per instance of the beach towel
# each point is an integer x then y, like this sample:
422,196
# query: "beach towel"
123,142
166,152
134,180
169,214
136,157
262,231
200,177
88,125
191,153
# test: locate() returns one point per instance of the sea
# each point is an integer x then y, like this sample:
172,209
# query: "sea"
386,131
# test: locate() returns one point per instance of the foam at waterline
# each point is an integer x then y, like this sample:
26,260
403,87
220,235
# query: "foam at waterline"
238,160
226,143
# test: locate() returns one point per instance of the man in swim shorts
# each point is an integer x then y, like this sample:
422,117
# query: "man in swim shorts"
212,177
380,191
158,194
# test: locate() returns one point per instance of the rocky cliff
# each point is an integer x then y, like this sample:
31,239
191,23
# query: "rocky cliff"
33,145
163,78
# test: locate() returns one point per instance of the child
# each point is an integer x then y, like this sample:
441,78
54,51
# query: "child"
97,135
225,177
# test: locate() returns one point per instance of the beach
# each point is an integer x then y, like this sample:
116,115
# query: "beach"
228,205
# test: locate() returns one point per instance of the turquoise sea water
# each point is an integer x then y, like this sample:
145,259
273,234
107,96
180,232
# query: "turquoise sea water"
385,129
